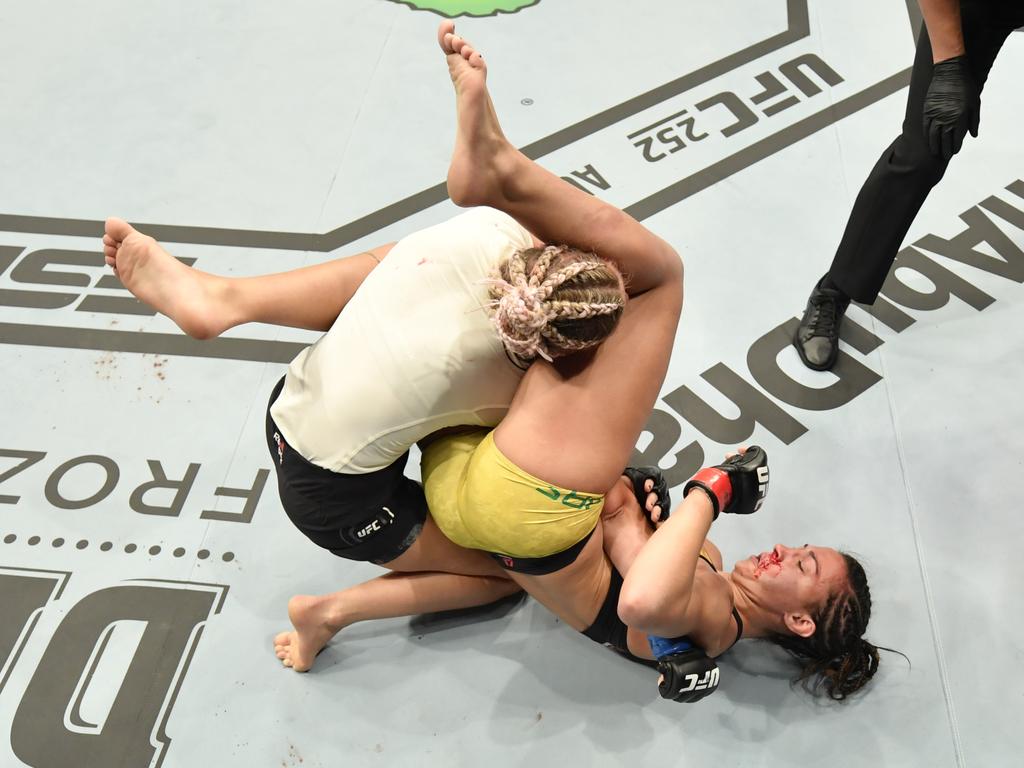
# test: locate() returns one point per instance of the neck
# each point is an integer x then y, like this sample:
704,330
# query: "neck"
758,621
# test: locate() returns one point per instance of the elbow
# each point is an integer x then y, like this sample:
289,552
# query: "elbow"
641,610
651,611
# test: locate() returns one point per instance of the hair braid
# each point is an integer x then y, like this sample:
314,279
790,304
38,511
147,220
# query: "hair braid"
552,301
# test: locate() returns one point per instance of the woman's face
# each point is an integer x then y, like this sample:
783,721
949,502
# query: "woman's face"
792,579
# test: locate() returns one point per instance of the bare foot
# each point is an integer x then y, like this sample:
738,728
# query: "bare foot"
313,630
482,154
187,296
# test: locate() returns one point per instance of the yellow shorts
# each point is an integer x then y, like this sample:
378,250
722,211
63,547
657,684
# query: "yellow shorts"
481,500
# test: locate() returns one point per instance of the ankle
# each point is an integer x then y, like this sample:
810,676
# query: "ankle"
511,172
830,285
334,615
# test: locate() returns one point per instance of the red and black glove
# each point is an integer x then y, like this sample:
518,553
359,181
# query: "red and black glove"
737,486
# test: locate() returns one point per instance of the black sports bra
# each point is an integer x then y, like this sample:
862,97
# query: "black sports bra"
735,614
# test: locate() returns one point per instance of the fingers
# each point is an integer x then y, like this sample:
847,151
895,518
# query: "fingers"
934,141
958,140
948,139
975,120
651,503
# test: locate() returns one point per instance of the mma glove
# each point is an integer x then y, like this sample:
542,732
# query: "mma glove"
638,476
687,674
737,486
952,107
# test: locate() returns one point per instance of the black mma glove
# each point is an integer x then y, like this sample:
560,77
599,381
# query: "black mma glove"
638,477
737,486
687,674
952,107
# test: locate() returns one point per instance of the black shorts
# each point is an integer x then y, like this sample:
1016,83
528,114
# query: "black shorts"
374,516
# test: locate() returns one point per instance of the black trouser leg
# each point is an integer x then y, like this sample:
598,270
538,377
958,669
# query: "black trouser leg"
906,172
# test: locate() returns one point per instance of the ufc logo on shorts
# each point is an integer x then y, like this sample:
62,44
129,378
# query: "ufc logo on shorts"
701,682
762,486
376,525
280,447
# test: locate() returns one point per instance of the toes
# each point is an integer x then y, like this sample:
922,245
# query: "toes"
446,29
117,229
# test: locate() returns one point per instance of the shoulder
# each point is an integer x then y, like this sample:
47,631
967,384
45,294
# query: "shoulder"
714,604
714,553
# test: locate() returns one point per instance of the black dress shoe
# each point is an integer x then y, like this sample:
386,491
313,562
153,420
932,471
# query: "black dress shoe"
817,336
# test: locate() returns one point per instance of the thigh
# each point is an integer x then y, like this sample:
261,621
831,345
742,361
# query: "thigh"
432,551
576,592
576,427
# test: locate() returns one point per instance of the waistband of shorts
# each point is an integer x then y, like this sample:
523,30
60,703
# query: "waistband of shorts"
540,566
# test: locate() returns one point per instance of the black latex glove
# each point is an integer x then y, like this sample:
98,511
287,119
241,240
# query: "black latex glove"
952,107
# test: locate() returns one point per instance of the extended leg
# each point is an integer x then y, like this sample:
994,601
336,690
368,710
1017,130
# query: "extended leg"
599,412
205,305
487,170
317,619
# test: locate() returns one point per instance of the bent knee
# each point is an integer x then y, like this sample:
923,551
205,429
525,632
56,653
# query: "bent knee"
911,157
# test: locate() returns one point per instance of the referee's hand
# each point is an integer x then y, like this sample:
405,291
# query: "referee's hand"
952,107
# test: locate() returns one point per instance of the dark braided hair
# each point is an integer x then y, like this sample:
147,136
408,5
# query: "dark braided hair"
837,659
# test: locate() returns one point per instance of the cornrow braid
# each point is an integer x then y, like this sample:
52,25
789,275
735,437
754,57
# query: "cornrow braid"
552,301
836,658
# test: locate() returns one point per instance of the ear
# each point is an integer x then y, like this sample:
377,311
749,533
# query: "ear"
800,624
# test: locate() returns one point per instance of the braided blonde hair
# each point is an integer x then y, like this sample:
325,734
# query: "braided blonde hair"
552,301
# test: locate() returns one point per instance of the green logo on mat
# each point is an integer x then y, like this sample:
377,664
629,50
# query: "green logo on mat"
453,8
